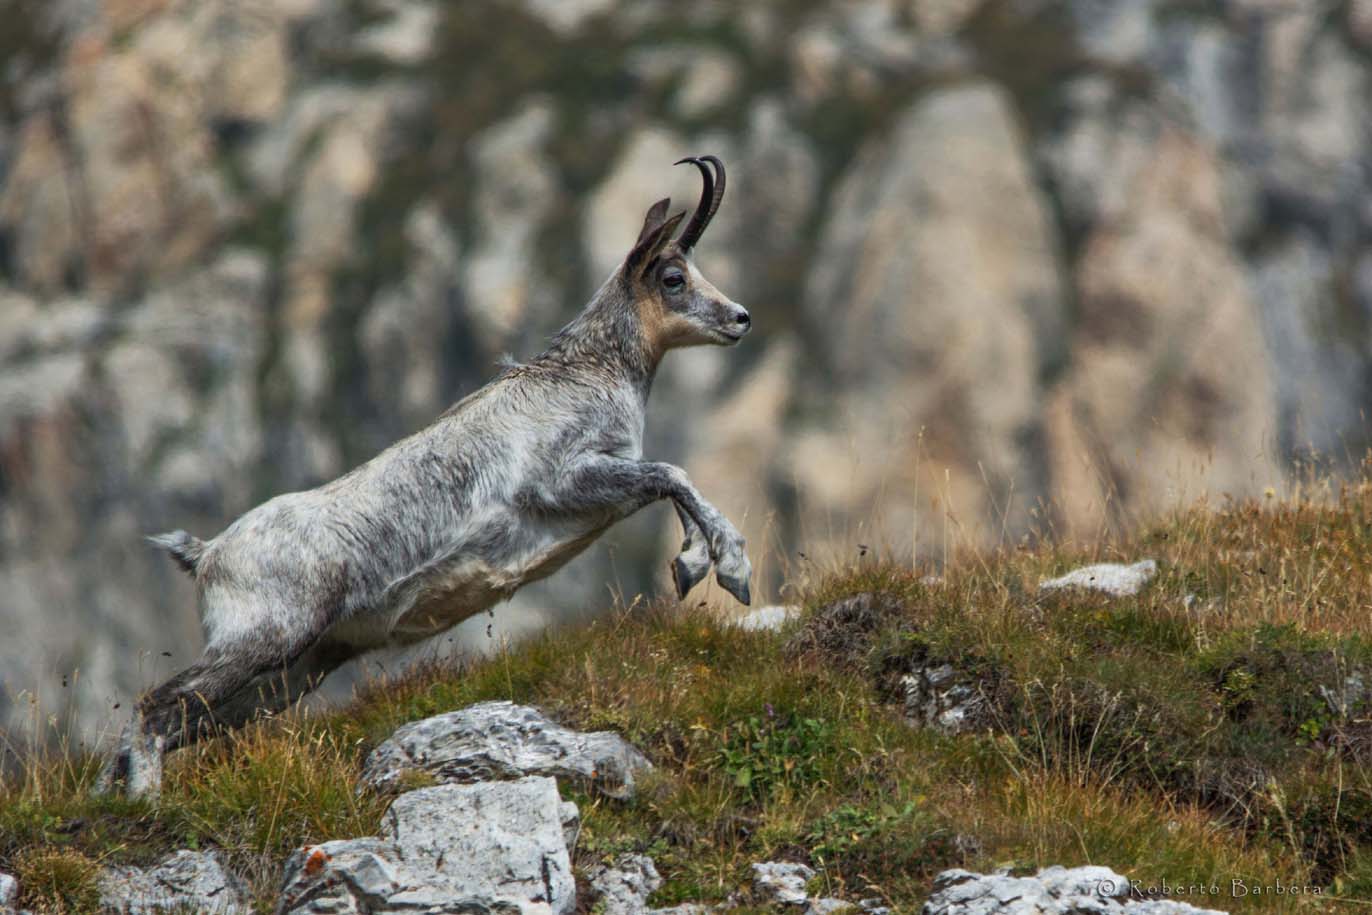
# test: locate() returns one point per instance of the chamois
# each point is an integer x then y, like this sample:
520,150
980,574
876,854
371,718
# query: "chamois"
501,490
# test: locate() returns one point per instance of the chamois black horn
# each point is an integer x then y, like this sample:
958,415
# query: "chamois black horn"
710,196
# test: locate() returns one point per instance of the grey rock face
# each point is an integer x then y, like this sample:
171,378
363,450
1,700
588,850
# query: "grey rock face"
781,882
1319,367
1109,577
636,176
1278,94
1360,22
187,881
514,196
1103,142
778,163
504,740
1113,31
936,244
9,893
941,697
568,16
623,887
405,37
1143,345
489,847
1052,891
401,336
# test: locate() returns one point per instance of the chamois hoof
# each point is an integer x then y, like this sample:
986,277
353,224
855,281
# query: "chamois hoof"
135,767
733,577
687,572
737,587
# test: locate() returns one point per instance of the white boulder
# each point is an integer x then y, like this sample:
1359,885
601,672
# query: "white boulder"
1112,578
488,847
492,740
1052,891
781,882
9,893
623,888
187,881
768,619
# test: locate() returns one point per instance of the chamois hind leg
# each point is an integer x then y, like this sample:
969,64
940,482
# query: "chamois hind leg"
162,717
693,563
275,690
187,706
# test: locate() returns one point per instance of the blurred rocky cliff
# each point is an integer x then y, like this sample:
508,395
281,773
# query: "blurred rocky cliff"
1012,264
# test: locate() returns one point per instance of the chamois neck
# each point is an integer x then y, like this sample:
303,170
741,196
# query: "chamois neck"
608,336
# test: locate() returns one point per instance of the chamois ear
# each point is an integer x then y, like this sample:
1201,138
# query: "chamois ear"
651,241
656,213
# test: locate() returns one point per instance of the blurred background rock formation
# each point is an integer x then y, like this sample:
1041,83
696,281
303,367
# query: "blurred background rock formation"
1014,265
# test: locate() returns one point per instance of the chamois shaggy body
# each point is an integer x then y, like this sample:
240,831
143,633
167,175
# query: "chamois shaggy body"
503,489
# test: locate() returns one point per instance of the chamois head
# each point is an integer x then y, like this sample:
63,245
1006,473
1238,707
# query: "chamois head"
677,306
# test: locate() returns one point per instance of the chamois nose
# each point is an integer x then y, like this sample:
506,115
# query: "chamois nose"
742,320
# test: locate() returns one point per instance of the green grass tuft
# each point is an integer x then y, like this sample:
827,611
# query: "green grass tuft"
58,881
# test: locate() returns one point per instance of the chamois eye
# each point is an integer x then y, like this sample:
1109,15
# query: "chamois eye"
673,279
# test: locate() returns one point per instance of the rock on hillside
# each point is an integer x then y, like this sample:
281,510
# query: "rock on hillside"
503,740
623,888
1052,891
185,881
1080,253
490,846
781,882
1112,578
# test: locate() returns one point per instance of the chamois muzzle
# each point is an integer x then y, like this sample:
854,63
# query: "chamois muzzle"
710,196
736,323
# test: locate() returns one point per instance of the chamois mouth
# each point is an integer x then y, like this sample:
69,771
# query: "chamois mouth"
732,324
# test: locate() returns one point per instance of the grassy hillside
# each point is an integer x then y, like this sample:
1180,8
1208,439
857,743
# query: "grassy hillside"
1177,736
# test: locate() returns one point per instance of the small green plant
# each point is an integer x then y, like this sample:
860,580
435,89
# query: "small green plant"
847,828
1310,730
1238,687
768,752
852,842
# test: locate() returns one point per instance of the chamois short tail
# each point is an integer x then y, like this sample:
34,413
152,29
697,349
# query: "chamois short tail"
184,548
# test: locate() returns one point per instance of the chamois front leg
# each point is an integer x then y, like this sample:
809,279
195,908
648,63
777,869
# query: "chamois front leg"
623,486
693,562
